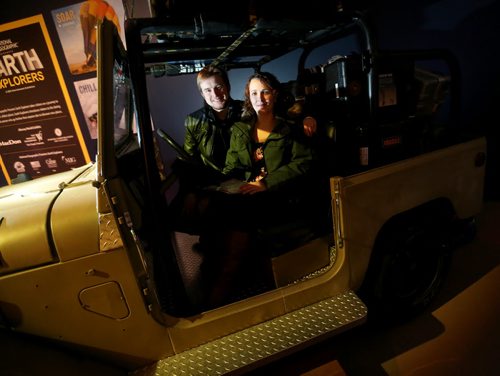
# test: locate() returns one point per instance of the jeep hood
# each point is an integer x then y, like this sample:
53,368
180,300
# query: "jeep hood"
38,219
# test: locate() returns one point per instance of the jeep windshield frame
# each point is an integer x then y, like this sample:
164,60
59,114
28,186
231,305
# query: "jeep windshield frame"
116,104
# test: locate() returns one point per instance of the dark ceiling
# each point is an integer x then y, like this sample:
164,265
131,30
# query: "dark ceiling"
242,11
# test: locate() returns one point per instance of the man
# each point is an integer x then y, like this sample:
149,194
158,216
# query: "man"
208,129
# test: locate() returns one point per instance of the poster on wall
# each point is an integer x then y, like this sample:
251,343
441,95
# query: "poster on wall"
39,131
76,27
87,96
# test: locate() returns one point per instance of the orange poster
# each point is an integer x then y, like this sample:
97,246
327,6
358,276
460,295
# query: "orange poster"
76,27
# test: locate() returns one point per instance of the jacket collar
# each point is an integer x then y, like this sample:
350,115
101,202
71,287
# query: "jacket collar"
233,114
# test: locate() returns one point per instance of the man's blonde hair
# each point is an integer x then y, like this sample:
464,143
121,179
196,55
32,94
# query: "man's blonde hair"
210,71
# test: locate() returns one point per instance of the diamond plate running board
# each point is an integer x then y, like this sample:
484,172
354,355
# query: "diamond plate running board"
245,350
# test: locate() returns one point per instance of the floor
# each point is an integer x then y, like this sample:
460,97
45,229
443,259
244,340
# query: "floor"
458,336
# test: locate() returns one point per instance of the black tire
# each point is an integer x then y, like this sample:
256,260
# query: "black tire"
410,265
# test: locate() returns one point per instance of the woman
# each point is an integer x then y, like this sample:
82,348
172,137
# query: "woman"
265,150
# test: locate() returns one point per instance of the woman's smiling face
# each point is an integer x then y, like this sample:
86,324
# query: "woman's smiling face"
262,96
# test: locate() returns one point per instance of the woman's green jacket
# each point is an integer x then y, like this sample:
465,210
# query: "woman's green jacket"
287,155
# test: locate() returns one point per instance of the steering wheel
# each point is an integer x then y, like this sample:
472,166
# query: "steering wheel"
181,153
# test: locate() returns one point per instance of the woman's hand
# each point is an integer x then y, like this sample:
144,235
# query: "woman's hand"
253,187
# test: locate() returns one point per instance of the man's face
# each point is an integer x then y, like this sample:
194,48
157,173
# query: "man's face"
215,92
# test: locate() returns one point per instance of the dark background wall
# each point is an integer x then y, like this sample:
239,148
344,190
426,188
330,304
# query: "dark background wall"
469,29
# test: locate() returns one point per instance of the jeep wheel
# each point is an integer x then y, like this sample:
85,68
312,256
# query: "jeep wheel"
410,265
